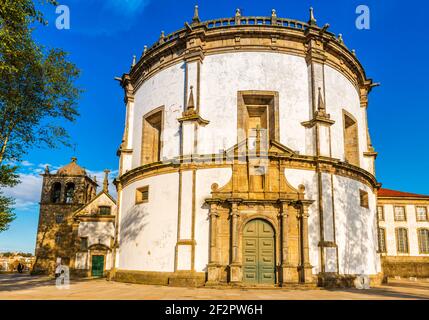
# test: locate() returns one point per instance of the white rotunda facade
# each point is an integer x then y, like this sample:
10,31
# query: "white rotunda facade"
246,158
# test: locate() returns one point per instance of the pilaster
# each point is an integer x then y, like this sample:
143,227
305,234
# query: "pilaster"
288,272
306,267
213,268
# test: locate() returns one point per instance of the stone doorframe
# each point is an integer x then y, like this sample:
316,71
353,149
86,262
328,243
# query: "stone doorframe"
97,250
289,219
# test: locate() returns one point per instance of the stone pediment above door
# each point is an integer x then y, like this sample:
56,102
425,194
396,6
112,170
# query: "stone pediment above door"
258,174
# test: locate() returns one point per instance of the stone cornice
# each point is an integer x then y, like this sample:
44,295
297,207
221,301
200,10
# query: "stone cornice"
287,161
219,36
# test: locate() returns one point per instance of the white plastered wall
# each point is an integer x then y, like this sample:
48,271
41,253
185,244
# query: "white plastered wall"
356,231
205,178
166,88
148,231
341,94
309,180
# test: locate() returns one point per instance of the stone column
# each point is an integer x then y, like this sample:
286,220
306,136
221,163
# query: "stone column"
235,266
213,266
288,271
305,266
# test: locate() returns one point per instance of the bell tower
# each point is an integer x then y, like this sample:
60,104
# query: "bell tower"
62,194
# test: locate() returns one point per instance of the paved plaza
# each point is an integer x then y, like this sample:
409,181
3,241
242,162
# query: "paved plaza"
22,287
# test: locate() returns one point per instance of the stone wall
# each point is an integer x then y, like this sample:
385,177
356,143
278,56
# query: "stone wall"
406,267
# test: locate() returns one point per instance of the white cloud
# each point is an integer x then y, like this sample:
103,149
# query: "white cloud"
26,163
27,193
100,179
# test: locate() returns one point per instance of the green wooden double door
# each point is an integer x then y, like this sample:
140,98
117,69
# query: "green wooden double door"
97,269
258,253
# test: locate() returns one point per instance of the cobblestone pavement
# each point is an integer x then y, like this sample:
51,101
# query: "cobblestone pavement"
22,287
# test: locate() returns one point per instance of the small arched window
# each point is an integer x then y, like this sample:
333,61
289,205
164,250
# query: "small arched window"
69,192
56,192
351,141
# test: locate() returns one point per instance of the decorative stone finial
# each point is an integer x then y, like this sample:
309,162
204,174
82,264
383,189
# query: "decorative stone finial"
73,159
340,38
354,52
237,12
134,61
321,104
162,36
47,169
196,18
144,49
312,21
106,181
273,16
191,105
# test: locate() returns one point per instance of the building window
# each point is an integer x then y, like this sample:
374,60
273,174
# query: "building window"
421,214
104,210
402,240
381,240
142,195
400,214
151,138
351,143
423,235
258,118
58,239
83,244
69,192
364,199
380,213
56,192
59,218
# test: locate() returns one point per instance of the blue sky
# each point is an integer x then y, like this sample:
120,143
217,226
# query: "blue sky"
105,34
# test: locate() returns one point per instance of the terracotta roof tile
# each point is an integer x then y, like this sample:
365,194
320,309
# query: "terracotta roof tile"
394,193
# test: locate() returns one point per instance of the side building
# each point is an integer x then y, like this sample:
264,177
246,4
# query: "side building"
403,233
76,225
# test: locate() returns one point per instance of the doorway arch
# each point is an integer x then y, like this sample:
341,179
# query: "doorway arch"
259,252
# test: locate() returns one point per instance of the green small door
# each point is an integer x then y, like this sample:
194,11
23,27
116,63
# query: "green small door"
97,266
258,252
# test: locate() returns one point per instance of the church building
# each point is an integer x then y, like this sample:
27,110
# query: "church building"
76,224
246,158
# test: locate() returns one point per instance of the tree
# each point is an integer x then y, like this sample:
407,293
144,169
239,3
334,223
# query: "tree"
36,89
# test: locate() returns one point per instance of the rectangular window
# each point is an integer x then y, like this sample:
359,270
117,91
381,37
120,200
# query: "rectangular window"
421,214
59,218
104,210
257,118
364,199
402,240
351,143
83,244
400,214
381,239
142,195
151,139
380,213
423,235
